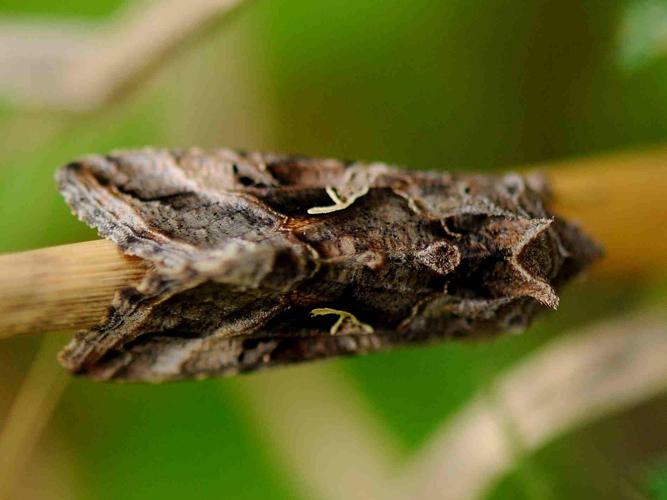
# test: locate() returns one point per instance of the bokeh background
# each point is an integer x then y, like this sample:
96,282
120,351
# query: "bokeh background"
438,84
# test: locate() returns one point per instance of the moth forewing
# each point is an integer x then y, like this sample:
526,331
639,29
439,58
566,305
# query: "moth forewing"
261,259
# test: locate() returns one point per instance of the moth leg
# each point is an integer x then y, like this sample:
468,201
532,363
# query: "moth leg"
343,316
339,203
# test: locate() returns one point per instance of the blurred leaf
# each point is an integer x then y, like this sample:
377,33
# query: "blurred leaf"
643,34
656,481
165,441
84,8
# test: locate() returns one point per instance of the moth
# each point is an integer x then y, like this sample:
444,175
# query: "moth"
258,260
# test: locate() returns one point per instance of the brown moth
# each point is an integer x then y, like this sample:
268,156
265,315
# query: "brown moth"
261,259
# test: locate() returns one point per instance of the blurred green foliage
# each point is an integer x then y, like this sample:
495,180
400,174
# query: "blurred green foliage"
657,481
430,84
643,34
96,10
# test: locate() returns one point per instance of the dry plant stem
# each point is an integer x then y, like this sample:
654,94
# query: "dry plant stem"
620,199
34,53
62,288
91,67
319,429
575,379
29,414
136,42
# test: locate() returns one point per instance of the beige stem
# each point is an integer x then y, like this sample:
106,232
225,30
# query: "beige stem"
29,414
81,67
322,433
62,288
574,379
619,199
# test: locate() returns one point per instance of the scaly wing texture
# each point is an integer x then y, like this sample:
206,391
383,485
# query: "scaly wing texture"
262,259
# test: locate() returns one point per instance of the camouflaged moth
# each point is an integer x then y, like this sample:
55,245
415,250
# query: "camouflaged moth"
260,259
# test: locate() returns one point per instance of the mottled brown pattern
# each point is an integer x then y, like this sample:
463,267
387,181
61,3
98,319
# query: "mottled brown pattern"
244,246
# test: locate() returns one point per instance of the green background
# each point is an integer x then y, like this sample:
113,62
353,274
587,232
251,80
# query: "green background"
451,84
